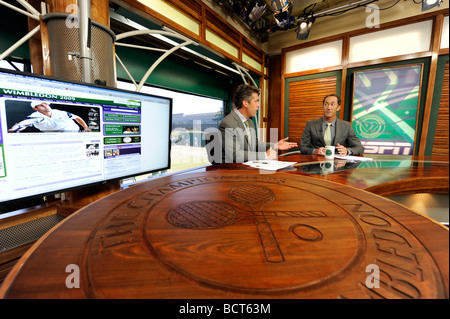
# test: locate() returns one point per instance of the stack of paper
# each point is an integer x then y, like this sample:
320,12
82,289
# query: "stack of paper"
270,165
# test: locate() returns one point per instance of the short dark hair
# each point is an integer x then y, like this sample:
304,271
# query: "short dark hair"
244,92
335,95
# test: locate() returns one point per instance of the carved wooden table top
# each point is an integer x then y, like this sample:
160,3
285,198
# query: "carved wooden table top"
238,234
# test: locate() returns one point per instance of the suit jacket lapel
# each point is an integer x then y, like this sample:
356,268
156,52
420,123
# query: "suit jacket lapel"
241,125
319,130
340,127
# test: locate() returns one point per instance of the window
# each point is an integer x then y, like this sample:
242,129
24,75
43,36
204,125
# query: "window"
12,65
191,116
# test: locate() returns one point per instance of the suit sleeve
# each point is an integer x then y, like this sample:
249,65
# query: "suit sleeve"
352,142
306,146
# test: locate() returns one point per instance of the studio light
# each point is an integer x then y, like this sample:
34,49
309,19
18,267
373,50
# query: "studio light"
283,9
428,4
278,5
304,28
256,12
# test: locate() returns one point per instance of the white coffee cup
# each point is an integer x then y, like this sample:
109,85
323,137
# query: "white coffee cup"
329,152
327,166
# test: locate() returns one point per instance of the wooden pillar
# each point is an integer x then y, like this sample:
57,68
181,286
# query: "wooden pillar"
99,9
438,23
35,42
276,104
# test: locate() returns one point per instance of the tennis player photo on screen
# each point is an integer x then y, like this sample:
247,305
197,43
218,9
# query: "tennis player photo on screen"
45,116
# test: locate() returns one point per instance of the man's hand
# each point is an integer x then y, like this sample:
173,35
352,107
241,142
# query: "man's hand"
319,151
284,144
271,154
341,150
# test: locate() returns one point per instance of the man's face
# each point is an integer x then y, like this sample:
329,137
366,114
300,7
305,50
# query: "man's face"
43,108
330,108
252,106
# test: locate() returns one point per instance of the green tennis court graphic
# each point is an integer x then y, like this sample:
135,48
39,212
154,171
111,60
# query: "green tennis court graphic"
385,104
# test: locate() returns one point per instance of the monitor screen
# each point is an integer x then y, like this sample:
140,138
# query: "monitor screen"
57,135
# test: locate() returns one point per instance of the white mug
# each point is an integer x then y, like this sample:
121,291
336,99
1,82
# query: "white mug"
327,167
329,152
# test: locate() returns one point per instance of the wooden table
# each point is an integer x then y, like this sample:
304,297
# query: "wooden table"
229,231
385,175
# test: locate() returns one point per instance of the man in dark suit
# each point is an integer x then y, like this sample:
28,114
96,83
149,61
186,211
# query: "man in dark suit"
339,134
238,132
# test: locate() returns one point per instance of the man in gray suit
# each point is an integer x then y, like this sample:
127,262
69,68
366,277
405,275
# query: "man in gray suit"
340,133
238,132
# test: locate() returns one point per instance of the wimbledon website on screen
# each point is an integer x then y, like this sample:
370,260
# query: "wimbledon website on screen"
34,159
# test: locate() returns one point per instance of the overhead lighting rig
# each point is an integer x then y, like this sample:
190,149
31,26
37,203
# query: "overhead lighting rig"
256,13
250,11
306,19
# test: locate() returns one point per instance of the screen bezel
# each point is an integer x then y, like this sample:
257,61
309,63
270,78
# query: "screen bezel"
32,200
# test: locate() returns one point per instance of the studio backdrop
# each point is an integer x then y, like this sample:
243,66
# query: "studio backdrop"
385,108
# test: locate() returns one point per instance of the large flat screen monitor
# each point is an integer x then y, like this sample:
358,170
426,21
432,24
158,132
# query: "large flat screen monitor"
57,135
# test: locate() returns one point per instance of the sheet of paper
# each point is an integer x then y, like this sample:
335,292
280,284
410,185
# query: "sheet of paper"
354,158
270,165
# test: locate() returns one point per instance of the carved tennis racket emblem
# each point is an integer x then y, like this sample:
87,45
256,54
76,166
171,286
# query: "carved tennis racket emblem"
256,197
202,215
215,214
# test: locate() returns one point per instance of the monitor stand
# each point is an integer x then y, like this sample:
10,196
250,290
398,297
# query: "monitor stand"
77,199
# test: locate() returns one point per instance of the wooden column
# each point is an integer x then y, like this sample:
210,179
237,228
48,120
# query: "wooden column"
276,105
435,43
99,9
35,42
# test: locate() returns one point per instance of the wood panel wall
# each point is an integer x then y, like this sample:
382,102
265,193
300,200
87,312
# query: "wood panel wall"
441,139
274,98
305,103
